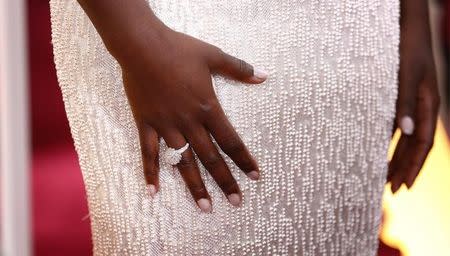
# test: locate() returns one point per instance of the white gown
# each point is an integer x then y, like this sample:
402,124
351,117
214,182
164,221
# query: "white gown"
319,129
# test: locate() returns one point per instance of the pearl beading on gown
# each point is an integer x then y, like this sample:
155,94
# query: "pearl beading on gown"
319,128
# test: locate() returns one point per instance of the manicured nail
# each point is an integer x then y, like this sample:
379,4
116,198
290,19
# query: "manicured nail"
151,190
407,125
260,74
235,199
254,175
205,205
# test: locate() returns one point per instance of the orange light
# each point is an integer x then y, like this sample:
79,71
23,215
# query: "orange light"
417,221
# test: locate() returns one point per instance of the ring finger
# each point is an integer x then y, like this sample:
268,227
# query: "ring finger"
189,171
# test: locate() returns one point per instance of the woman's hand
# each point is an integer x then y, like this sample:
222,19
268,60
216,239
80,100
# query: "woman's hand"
418,98
167,79
168,85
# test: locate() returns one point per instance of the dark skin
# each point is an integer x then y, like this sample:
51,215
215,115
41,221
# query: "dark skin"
167,79
418,95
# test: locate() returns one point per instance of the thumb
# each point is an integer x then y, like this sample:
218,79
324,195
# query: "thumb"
406,102
237,69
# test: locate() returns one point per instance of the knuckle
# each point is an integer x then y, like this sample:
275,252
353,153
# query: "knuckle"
242,65
228,185
233,146
209,106
186,122
198,190
219,53
184,117
216,57
161,115
245,68
211,161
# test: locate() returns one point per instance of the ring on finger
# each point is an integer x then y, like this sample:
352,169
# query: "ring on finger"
173,156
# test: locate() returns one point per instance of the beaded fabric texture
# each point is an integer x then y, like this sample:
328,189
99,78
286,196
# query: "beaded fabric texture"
319,129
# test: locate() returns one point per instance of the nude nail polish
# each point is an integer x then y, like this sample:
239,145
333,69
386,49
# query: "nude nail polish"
235,199
260,74
254,175
205,205
151,190
407,125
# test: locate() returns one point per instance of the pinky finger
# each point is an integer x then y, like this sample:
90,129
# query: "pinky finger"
149,142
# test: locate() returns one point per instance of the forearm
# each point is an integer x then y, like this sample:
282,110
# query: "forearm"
120,23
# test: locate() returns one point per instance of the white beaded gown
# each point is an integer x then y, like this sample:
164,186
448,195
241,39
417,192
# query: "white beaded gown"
319,128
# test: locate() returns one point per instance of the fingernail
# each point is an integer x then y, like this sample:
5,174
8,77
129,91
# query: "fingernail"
254,175
235,199
260,74
152,190
205,205
407,125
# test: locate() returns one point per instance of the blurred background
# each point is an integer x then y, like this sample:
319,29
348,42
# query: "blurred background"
416,222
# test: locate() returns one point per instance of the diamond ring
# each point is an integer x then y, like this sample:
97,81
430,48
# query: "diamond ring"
173,156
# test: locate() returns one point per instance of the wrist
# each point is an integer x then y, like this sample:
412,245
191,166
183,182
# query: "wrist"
147,33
